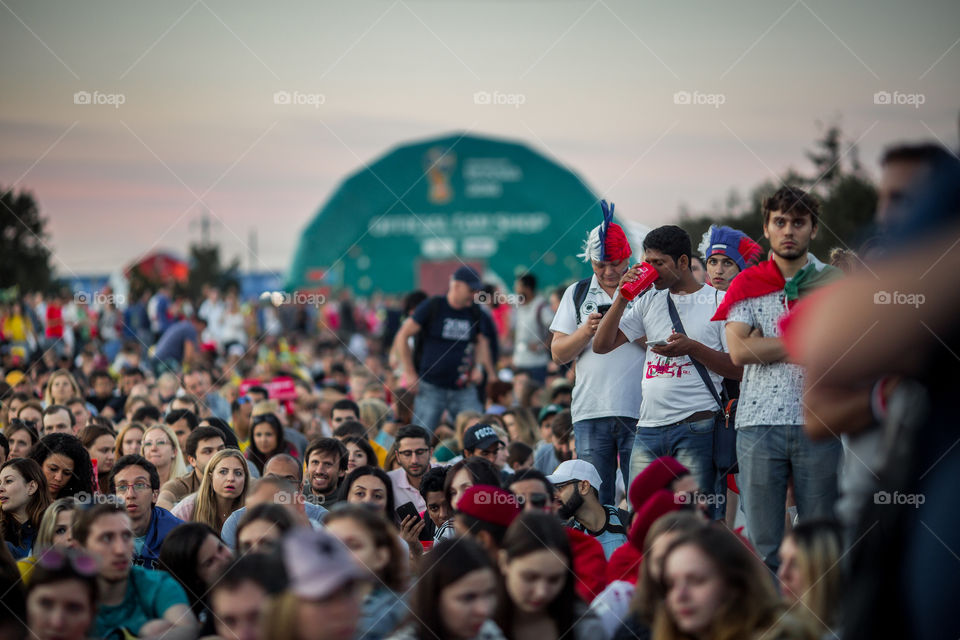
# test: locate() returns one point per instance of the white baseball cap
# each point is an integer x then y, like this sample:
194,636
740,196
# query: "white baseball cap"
576,470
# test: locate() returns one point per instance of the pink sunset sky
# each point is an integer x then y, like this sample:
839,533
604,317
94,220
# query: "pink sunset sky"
198,126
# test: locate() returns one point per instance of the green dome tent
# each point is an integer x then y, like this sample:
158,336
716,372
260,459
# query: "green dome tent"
414,215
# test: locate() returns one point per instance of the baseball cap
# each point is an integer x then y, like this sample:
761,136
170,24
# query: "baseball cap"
470,276
479,436
14,377
576,470
549,410
318,564
489,504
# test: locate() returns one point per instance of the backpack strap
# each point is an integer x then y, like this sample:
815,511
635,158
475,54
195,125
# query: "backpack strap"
579,295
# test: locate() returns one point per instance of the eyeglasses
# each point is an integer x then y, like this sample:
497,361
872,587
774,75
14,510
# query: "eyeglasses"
149,443
137,486
56,559
412,452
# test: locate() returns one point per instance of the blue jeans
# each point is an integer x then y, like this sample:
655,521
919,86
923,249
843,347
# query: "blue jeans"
768,455
691,443
538,374
600,441
432,400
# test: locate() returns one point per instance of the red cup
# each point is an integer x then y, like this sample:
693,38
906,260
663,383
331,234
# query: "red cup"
647,275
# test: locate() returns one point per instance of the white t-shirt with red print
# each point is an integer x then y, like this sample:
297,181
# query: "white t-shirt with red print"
672,388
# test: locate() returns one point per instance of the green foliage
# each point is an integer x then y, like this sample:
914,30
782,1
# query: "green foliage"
24,252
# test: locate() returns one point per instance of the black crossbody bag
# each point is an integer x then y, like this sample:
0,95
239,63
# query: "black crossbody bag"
724,433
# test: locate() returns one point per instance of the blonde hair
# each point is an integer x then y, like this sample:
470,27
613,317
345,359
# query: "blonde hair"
205,508
373,414
646,596
118,445
751,607
464,420
819,546
60,373
526,425
280,618
48,525
179,465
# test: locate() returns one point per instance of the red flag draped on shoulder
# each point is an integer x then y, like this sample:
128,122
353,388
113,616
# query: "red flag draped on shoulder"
752,282
765,278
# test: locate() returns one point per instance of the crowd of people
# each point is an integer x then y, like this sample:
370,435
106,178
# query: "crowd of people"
690,443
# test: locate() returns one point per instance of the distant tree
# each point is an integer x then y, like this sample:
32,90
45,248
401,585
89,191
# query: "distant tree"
24,252
848,198
205,269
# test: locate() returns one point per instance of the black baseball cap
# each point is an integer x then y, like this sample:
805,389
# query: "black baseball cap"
469,276
479,436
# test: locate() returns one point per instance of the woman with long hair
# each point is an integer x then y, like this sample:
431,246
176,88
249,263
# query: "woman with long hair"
538,599
267,440
359,453
23,499
66,465
223,490
373,542
370,487
60,388
455,596
100,442
129,440
713,587
636,624
521,425
459,478
194,554
161,447
56,530
809,575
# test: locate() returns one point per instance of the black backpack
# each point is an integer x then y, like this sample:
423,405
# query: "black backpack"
476,316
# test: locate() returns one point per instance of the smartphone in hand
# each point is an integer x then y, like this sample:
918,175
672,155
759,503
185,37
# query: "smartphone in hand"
407,509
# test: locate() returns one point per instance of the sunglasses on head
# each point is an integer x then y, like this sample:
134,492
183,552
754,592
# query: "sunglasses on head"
55,559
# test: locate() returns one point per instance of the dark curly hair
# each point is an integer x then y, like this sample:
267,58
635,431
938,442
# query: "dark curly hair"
793,201
69,445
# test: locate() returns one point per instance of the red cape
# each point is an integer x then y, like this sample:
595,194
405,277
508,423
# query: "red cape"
752,282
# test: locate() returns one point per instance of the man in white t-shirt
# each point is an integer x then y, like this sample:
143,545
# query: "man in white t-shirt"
531,336
678,410
607,393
